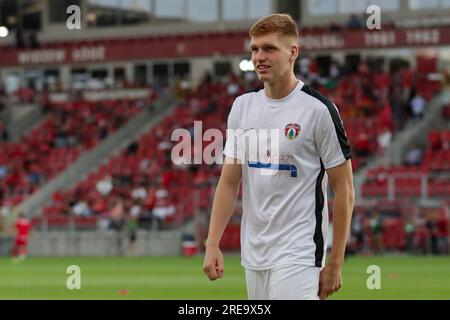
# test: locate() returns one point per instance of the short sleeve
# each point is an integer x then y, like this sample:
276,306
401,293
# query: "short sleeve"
232,145
332,143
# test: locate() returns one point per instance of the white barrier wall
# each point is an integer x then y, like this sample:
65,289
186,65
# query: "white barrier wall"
99,243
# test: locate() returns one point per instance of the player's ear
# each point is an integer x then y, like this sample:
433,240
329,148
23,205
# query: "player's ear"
294,52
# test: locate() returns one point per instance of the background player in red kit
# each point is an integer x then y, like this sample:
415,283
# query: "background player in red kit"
22,231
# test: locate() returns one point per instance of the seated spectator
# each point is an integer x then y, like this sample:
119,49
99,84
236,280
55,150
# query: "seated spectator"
3,171
132,148
34,176
104,186
163,207
99,206
61,140
435,142
144,165
136,210
362,145
414,156
81,208
139,193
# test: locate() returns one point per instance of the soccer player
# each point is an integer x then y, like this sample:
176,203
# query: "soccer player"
23,226
285,214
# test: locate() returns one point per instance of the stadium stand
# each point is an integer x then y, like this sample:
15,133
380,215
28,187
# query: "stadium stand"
69,129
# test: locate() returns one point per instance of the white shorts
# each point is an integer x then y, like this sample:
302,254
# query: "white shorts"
291,282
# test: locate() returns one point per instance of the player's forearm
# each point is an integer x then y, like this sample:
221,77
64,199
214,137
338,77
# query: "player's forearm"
222,210
343,208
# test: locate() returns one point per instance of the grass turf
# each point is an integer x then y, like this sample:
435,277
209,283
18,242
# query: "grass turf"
180,278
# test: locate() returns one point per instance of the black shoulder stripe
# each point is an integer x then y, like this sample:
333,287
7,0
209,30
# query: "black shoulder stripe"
338,125
257,88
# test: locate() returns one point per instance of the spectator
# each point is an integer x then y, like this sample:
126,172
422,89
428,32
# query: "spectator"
432,235
61,140
398,106
105,185
132,148
386,116
334,71
417,106
354,22
442,226
376,226
117,215
81,208
143,166
139,193
132,226
163,206
4,137
421,235
409,229
357,230
362,145
384,141
3,170
414,156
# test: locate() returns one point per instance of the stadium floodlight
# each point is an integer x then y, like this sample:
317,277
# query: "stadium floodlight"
3,32
246,65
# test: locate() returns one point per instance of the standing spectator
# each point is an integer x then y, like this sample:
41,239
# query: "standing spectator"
117,215
442,226
410,230
357,229
4,137
421,235
432,235
417,106
376,227
384,141
132,226
398,106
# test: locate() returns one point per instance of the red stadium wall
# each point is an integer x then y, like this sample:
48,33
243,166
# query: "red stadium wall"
207,44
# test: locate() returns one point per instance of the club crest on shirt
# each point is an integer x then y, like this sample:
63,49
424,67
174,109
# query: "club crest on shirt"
291,131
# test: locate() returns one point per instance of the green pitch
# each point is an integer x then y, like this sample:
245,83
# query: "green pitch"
182,278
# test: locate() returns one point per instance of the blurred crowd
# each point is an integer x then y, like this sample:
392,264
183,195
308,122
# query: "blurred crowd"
375,231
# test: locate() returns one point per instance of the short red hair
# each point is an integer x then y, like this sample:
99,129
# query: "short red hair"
279,22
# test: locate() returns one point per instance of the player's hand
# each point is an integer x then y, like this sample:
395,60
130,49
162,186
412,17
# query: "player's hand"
330,281
213,264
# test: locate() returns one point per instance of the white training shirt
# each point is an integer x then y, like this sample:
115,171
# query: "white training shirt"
285,214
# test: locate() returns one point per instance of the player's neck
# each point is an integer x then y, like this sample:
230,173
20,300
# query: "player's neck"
281,88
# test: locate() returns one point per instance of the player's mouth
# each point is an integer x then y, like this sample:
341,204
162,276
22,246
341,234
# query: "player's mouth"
262,68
